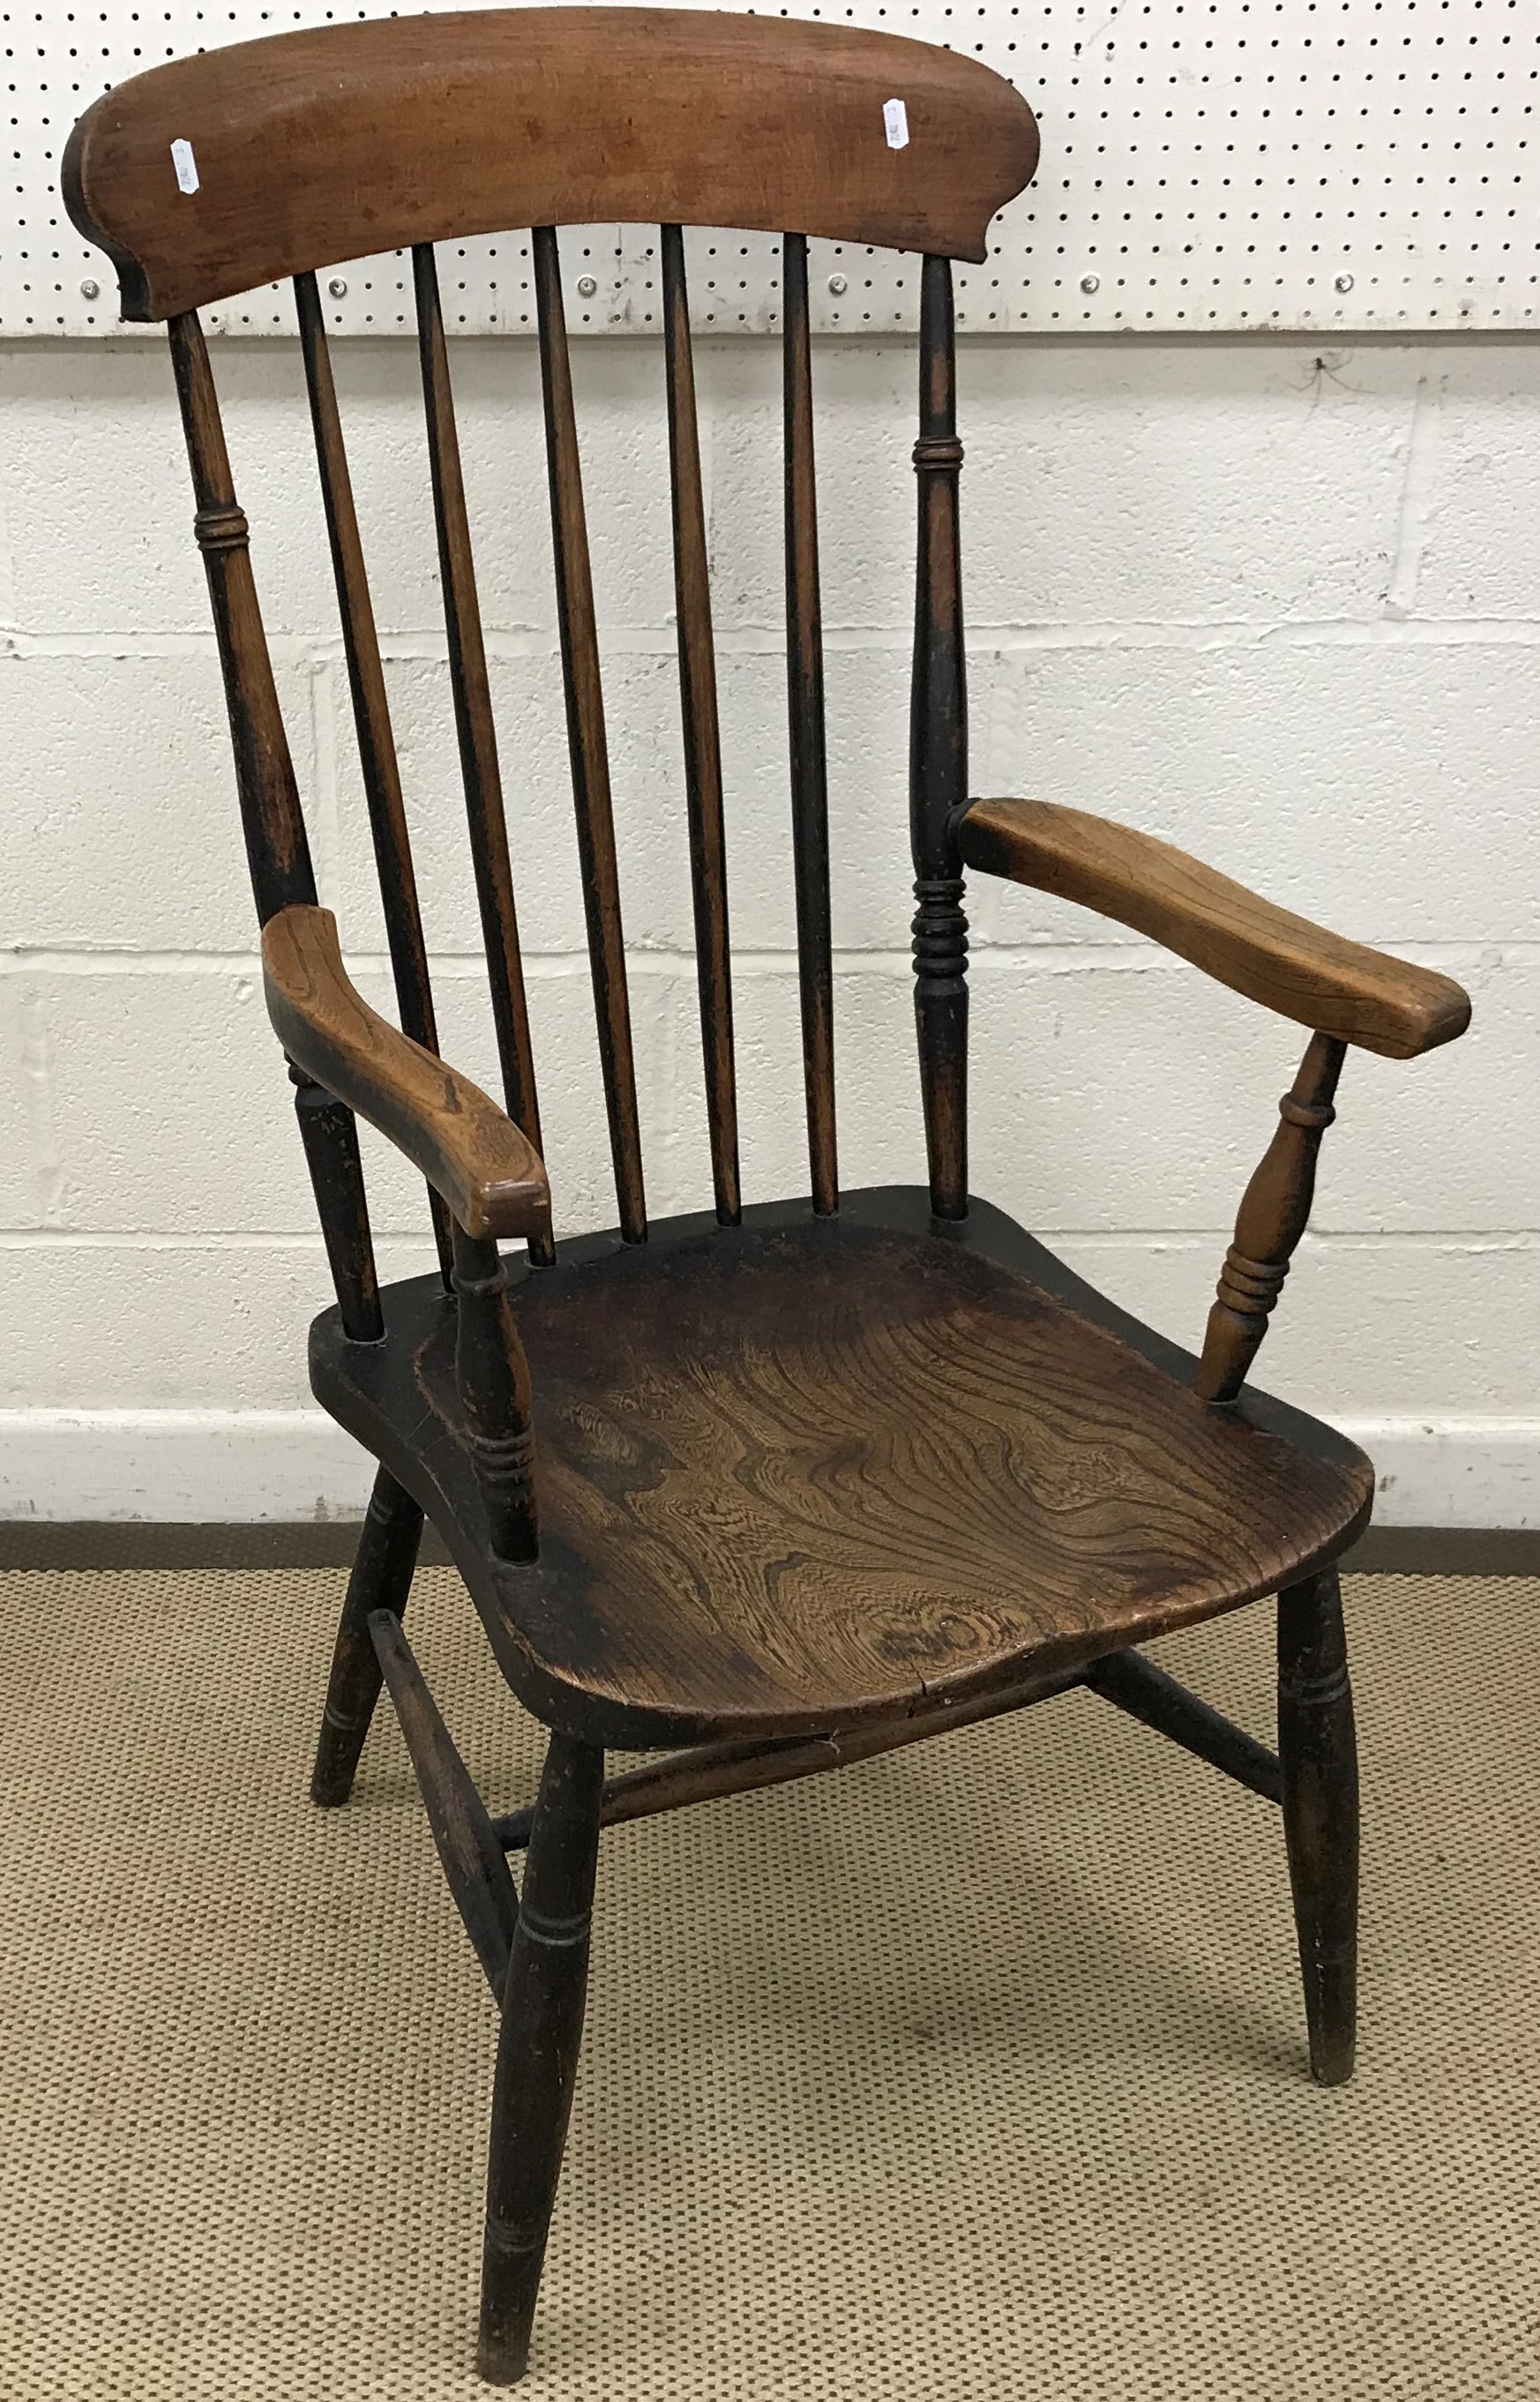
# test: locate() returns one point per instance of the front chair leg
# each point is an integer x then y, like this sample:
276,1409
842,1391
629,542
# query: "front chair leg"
382,1580
1320,1777
543,2004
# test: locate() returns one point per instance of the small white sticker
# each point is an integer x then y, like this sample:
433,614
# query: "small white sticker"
187,165
895,123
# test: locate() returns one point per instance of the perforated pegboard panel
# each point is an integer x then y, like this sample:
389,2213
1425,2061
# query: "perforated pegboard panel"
1207,165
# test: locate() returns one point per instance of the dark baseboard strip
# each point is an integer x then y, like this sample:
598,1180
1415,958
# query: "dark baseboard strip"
1446,1550
29,1543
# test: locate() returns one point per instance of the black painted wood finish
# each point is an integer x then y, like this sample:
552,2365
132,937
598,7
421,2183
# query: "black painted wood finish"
542,2005
382,1580
470,1854
480,767
937,756
1318,1752
697,678
805,719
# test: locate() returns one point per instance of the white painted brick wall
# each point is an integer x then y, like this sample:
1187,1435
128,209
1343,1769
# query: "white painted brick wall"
1286,614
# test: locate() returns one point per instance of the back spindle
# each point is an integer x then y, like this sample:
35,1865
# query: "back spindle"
473,700
587,742
938,758
371,711
698,675
805,719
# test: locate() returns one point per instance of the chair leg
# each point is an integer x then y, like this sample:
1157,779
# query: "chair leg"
1320,1777
543,2004
382,1580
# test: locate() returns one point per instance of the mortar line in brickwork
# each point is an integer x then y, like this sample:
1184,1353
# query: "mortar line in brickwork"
301,651
1129,956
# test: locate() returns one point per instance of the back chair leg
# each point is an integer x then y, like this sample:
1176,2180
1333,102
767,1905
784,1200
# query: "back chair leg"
382,1580
543,2004
1320,1777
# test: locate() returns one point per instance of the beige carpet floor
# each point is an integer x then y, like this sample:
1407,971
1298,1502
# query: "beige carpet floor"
972,2072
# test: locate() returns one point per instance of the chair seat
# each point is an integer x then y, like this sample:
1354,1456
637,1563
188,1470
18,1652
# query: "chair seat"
807,1471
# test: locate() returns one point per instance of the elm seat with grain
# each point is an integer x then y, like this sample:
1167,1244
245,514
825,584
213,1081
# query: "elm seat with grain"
343,140
802,1473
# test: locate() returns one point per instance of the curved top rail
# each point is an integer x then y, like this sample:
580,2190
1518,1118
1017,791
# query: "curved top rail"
238,166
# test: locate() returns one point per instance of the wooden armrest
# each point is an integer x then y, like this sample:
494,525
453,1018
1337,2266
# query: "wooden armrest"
470,1152
1336,987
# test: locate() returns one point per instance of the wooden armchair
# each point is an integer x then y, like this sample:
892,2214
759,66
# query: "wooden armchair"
793,1483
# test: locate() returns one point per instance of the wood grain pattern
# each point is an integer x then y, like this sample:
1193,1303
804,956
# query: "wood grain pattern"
1270,955
938,757
278,852
477,738
371,709
470,1152
1273,1214
697,673
806,722
804,1472
332,142
587,742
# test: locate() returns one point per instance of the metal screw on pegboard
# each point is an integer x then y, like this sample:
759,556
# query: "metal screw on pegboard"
1090,284
587,286
338,287
91,289
1345,283
837,284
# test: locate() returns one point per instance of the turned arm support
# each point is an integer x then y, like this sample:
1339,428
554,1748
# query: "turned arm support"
1345,992
491,1177
1336,987
1273,1214
470,1154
